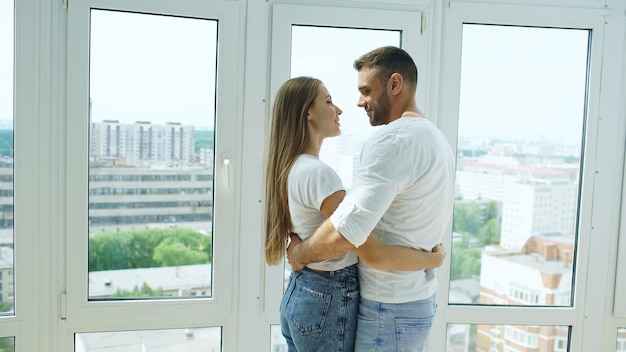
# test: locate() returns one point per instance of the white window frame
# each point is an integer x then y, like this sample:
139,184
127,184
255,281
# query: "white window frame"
94,316
594,188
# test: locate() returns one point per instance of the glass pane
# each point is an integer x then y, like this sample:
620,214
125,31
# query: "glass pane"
506,338
621,340
7,344
179,340
519,157
7,260
277,340
151,147
327,53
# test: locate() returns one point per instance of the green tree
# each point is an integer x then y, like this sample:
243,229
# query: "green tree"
467,218
7,344
203,139
109,251
138,248
490,233
170,253
465,262
144,291
141,247
6,142
5,307
491,211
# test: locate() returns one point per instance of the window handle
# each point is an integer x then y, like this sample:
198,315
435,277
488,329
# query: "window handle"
226,163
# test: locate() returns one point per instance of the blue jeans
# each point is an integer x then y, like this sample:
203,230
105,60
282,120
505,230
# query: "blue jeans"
319,310
400,327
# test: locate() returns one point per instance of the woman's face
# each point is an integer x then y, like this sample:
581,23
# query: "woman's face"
324,115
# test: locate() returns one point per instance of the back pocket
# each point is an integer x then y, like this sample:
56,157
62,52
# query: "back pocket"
307,309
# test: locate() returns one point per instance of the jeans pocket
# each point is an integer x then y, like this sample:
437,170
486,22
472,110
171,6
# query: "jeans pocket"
411,333
308,309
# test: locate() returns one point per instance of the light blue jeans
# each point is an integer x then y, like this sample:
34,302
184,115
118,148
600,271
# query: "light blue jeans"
401,327
319,310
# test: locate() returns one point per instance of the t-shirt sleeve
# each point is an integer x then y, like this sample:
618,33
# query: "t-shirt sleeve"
316,183
383,173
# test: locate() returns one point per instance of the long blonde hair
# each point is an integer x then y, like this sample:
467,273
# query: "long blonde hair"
288,139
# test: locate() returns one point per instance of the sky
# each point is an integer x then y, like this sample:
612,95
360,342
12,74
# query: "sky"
6,60
521,83
152,68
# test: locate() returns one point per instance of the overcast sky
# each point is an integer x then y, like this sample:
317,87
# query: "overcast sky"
6,60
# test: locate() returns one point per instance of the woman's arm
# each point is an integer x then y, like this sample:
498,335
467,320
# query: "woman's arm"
385,256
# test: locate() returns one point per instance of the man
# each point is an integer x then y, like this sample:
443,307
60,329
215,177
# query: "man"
402,194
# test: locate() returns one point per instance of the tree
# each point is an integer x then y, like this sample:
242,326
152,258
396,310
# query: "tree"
465,262
7,344
490,233
109,251
6,142
144,291
467,218
170,253
148,248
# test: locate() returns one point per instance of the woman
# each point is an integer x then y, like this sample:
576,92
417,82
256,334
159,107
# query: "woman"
320,306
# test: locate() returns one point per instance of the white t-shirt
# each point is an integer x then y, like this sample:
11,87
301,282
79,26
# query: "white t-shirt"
310,182
403,194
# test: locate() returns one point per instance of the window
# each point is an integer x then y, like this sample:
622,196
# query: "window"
525,177
464,337
621,340
190,339
152,134
519,156
7,261
309,42
149,171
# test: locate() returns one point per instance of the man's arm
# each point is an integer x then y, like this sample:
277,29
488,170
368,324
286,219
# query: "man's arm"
326,242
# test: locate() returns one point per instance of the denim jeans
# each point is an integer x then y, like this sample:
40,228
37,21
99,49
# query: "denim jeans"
400,327
319,310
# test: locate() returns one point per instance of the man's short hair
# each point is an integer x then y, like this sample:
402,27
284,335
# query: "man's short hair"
388,60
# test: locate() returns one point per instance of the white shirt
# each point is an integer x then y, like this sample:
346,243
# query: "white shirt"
310,182
403,194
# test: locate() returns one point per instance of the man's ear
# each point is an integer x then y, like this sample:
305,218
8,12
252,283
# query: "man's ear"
396,81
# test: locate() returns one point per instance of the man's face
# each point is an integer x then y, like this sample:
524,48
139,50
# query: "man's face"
373,97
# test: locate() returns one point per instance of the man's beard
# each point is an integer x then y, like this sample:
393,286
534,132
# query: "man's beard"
380,112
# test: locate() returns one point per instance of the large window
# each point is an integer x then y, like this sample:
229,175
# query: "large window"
151,153
150,212
519,154
132,217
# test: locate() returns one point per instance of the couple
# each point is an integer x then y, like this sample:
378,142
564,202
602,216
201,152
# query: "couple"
402,195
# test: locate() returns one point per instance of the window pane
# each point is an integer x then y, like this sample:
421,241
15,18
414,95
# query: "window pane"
7,260
521,119
327,53
151,116
180,340
621,340
277,340
506,338
7,344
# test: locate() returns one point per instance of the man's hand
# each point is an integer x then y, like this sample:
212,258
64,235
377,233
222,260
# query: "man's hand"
292,258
